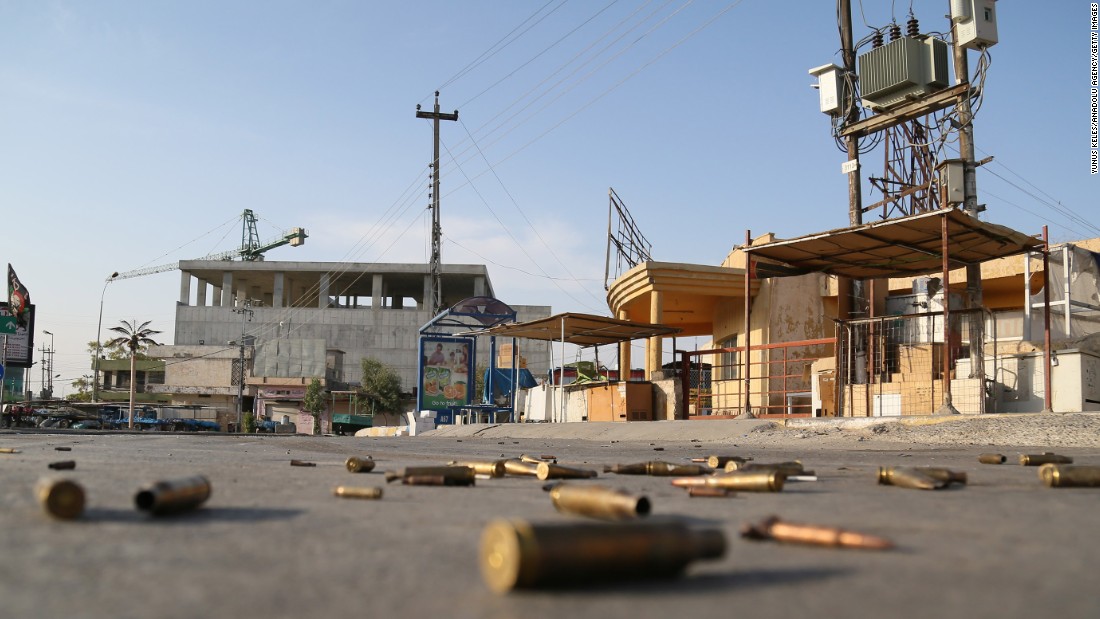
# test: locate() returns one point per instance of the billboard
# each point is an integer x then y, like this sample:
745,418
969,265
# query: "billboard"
19,352
445,372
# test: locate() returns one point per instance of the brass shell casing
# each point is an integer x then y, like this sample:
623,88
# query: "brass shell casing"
657,468
354,492
1044,458
814,535
787,468
533,460
519,555
359,465
943,474
177,495
547,470
718,462
1062,476
437,480
492,468
747,481
64,465
904,477
450,472
520,468
992,459
710,493
61,498
598,502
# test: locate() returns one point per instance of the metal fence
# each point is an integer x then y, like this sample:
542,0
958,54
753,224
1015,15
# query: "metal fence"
904,365
776,381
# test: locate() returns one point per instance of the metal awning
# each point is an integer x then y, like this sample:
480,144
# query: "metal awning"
901,247
580,329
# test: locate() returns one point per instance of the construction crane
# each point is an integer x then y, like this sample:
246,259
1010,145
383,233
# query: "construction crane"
251,248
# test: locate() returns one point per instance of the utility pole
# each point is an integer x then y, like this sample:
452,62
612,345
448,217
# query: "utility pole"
970,183
855,190
246,317
435,296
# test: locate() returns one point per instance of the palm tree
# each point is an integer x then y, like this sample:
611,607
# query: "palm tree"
133,337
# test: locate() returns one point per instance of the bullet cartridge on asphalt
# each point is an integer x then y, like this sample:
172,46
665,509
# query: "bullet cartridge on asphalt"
787,468
719,462
64,465
774,529
547,470
359,465
598,502
943,474
357,492
60,498
520,469
710,493
1065,476
1044,458
173,496
490,468
908,477
657,468
515,554
992,459
450,472
437,480
747,481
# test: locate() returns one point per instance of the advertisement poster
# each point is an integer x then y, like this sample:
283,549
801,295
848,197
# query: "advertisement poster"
20,342
445,372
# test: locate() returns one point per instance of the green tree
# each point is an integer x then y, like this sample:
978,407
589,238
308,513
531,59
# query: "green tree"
82,386
314,403
134,338
381,387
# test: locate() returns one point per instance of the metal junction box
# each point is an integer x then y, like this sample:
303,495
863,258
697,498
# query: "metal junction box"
975,22
903,70
829,88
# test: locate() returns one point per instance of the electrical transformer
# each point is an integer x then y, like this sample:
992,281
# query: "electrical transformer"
902,70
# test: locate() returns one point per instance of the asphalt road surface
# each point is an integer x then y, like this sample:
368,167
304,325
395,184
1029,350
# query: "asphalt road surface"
273,541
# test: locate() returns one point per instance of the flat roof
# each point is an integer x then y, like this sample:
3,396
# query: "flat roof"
580,329
901,247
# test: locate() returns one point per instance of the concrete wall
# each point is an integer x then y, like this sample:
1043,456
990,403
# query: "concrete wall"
389,335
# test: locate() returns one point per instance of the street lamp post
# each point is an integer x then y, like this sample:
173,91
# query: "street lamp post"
98,345
47,367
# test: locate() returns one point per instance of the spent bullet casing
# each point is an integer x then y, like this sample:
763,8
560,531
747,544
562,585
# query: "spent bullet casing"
547,470
1044,458
598,502
943,474
61,498
657,468
359,465
354,492
904,477
492,468
450,472
520,468
719,462
815,535
1063,476
519,555
302,463
710,493
177,495
533,460
748,481
787,468
992,459
8,450
436,480
64,465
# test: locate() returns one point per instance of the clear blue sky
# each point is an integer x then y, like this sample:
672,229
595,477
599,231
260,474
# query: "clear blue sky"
135,133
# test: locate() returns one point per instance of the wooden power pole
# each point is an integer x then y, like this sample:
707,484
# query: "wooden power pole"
851,111
435,296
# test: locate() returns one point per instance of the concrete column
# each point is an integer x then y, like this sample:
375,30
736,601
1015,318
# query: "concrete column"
185,287
426,301
322,293
653,344
200,294
277,293
227,289
376,291
216,296
624,352
479,286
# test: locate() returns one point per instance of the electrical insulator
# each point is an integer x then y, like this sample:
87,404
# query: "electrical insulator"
895,32
876,40
912,26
